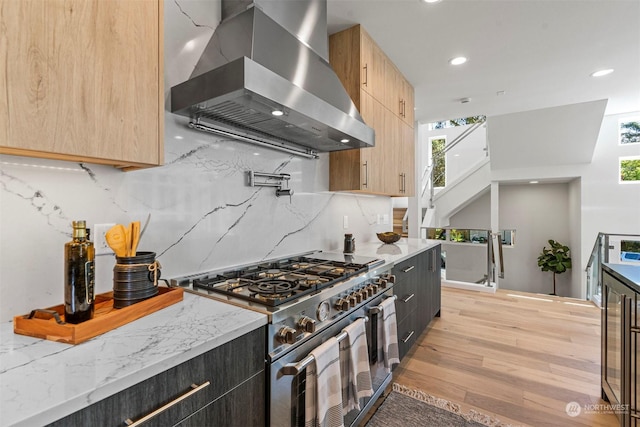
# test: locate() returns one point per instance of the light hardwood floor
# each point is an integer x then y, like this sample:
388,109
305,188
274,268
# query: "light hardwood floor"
516,356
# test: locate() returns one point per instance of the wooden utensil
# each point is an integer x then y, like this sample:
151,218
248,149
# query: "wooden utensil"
135,237
116,238
128,238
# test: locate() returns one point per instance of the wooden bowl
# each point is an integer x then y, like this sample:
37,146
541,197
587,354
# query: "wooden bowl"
388,237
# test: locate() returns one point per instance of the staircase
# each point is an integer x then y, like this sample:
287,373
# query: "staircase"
398,220
457,195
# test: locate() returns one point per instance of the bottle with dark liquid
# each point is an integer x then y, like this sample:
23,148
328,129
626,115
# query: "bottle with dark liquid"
79,276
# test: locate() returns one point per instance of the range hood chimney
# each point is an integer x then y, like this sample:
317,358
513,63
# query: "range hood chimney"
265,78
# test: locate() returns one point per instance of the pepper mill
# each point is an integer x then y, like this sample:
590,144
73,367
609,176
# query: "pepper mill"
349,244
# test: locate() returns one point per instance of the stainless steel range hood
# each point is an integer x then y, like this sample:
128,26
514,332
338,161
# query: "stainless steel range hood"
271,57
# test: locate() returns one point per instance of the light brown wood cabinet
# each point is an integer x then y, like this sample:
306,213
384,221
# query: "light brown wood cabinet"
82,80
379,92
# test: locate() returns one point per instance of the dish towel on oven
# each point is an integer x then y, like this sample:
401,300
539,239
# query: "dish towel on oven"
354,365
388,335
323,390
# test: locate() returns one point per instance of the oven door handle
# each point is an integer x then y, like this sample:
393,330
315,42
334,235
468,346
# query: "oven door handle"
378,309
296,368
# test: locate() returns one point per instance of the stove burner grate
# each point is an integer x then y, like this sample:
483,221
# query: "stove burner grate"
273,288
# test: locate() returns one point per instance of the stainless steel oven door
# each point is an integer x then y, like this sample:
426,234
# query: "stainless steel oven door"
287,391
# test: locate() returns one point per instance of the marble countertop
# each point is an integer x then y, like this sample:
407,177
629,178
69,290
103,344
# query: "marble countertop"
395,252
628,274
42,381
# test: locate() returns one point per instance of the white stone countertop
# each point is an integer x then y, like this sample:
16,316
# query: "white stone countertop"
42,381
395,252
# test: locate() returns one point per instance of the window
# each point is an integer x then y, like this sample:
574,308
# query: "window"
630,169
438,159
629,130
630,250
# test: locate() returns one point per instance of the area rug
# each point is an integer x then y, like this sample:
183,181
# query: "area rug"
405,407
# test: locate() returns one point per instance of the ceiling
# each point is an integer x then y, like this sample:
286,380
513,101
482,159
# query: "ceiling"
540,53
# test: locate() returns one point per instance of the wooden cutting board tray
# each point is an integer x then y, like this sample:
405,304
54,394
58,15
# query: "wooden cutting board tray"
105,318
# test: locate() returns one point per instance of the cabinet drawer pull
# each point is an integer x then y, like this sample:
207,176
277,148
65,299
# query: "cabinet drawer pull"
408,337
194,389
366,174
407,298
366,75
408,269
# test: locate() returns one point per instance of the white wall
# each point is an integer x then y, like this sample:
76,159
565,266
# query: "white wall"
607,205
537,213
203,216
476,215
575,239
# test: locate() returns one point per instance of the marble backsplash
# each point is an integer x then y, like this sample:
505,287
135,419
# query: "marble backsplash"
203,214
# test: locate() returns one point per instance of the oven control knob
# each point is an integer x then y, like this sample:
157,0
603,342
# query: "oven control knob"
342,304
371,290
307,324
368,291
375,288
381,283
353,301
361,295
390,278
286,335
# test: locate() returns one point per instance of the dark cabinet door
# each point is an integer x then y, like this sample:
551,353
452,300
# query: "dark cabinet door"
407,333
435,281
212,374
423,312
406,288
234,409
620,347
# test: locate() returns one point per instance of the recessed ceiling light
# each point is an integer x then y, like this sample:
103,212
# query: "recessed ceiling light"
178,137
277,112
429,1
458,60
601,73
344,140
533,182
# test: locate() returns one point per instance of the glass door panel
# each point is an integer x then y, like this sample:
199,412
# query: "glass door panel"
614,344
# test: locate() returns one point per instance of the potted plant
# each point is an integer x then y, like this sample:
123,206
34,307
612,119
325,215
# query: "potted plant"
556,259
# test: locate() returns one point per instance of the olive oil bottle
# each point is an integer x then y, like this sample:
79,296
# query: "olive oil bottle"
79,276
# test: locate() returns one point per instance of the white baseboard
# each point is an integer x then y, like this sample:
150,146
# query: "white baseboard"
469,286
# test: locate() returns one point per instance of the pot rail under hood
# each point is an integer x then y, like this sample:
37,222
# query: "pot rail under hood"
254,66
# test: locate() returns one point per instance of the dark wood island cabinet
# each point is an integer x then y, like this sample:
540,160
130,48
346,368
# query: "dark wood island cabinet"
417,287
620,337
224,386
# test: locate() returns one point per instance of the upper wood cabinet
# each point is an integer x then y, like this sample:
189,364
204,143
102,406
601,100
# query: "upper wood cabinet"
82,80
377,89
373,65
399,94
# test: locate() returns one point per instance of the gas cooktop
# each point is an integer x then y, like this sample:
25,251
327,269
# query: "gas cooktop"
275,282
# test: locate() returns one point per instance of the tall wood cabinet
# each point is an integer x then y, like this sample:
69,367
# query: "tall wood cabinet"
385,100
82,80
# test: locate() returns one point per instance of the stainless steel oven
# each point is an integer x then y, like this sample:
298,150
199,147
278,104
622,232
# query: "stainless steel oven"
287,374
308,298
